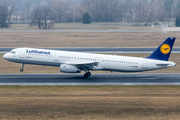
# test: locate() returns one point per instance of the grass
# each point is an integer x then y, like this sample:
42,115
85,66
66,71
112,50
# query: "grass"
85,39
9,67
90,102
92,26
88,91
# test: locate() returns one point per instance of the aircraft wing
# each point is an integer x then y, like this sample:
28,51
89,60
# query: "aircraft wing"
86,65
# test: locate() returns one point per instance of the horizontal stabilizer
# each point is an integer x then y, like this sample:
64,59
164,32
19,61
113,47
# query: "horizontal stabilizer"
162,64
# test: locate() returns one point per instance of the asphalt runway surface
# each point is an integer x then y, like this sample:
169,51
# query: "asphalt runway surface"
102,50
76,31
95,79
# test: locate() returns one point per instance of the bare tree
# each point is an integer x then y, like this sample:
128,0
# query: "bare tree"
10,10
102,10
132,12
37,17
159,10
41,16
6,10
112,10
60,8
47,16
175,8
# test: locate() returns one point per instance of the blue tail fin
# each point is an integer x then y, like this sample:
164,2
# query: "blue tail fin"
164,50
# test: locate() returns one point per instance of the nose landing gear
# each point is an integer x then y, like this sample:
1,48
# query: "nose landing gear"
87,75
21,70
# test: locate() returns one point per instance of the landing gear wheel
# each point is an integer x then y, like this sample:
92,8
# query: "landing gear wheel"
21,70
87,75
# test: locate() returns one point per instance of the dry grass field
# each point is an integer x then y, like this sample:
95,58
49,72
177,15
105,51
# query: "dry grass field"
9,67
90,102
92,26
85,39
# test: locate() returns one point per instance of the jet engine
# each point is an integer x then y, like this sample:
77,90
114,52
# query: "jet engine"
69,69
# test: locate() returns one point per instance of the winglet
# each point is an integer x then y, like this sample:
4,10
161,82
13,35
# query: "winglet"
164,50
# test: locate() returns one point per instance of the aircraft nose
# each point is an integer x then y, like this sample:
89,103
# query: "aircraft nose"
5,56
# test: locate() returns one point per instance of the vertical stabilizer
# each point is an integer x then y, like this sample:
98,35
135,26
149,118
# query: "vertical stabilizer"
164,50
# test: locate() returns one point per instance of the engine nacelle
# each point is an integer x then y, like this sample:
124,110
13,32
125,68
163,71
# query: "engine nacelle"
69,69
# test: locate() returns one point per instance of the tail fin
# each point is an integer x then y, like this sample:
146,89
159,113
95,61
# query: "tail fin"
164,50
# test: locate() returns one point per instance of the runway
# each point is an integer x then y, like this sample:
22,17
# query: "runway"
102,50
95,79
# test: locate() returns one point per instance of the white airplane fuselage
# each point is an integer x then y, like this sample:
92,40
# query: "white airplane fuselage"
103,62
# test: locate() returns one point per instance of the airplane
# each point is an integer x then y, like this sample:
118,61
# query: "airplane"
76,62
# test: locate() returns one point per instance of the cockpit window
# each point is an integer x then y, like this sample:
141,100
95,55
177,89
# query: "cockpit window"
13,52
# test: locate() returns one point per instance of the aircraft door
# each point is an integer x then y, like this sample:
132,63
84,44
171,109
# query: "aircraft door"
56,56
22,54
99,60
144,66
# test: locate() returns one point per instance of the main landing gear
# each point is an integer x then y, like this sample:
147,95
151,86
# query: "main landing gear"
87,75
21,70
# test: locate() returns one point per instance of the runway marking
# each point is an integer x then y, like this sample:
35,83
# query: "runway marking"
93,84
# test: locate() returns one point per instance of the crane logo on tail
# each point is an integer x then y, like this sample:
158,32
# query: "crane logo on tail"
165,48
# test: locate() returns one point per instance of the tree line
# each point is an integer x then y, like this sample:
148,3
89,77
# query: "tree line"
43,12
6,10
138,11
